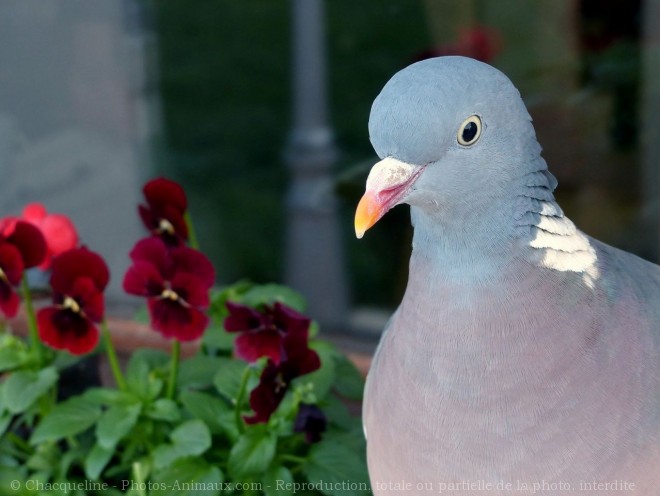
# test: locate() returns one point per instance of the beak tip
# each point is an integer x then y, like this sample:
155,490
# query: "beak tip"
367,213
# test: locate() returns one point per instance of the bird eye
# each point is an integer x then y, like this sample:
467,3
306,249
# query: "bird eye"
469,131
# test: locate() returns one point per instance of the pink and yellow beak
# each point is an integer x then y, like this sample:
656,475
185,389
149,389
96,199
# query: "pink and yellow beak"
387,184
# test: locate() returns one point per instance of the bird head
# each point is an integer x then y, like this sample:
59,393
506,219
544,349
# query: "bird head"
453,136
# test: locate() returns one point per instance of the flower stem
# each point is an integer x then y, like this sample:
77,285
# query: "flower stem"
137,469
174,368
192,235
35,342
112,356
239,400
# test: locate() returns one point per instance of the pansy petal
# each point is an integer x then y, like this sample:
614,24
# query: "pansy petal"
299,358
29,241
89,298
288,320
251,346
311,421
308,362
148,218
161,192
194,262
11,263
242,318
34,212
154,251
7,226
152,220
75,263
63,329
143,279
60,233
9,301
173,320
58,230
267,396
175,217
191,289
296,346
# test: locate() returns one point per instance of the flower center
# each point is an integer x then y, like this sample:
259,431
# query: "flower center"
279,383
169,294
71,304
3,276
165,226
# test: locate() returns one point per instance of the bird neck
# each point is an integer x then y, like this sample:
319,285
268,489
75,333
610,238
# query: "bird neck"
469,248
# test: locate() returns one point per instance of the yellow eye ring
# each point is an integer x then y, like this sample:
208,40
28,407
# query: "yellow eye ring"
469,131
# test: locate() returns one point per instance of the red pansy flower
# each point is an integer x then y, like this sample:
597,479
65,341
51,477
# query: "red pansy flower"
164,212
21,246
11,272
58,230
276,378
311,421
78,279
27,239
262,333
176,282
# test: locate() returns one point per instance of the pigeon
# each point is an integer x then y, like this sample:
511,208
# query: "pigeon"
524,357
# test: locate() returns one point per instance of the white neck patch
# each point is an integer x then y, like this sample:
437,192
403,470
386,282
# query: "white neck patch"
557,243
563,250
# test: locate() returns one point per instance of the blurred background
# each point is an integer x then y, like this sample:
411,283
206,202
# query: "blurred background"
260,109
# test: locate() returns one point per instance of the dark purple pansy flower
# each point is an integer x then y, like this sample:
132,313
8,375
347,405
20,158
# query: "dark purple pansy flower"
78,279
276,378
164,212
263,333
311,421
176,283
21,246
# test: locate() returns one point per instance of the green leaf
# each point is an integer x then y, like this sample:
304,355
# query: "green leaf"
227,379
189,477
66,419
140,376
332,463
323,378
216,337
13,352
5,420
21,389
115,423
199,371
252,453
163,409
192,438
271,293
275,480
9,474
107,397
337,412
348,380
213,411
44,458
230,293
352,438
96,461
